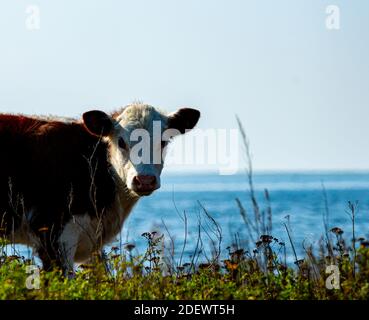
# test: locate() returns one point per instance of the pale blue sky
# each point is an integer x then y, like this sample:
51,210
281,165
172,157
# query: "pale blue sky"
302,91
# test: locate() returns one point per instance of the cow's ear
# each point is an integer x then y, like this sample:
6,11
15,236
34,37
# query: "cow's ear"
183,119
98,122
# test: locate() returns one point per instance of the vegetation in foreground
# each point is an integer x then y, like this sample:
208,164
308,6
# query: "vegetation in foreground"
252,268
243,275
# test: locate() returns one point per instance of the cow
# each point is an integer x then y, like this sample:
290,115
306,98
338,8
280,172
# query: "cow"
67,185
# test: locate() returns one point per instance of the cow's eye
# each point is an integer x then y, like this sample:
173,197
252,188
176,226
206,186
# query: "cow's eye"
122,144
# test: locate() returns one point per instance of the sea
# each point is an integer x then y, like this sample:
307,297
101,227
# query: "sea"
298,201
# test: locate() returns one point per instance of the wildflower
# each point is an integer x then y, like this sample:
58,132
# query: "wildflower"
282,267
154,259
364,244
147,235
266,238
230,265
183,276
238,253
129,247
299,262
137,268
337,230
204,265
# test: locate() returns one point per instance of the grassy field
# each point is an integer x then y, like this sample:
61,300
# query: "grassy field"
243,275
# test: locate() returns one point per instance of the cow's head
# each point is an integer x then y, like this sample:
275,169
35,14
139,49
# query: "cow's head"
137,138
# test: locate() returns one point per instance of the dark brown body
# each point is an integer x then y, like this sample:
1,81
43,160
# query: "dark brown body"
49,172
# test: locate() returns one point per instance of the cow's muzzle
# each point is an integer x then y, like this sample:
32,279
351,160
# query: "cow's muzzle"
144,185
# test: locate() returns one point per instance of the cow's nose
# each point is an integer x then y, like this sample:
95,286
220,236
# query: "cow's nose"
145,182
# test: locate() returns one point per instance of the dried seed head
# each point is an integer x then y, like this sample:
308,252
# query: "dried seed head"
129,247
337,231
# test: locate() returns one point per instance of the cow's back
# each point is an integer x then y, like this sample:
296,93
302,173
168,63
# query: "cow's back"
50,170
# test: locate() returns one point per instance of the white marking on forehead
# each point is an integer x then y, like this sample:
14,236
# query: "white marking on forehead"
140,116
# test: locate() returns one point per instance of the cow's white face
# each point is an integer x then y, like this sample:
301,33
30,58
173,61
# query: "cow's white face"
137,138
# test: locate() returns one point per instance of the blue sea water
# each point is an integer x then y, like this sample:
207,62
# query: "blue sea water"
297,195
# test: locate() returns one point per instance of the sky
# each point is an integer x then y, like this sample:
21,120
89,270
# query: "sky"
300,89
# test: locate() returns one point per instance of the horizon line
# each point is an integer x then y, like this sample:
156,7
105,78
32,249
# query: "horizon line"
269,171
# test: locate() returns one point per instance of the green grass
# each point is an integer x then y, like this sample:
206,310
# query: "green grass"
260,275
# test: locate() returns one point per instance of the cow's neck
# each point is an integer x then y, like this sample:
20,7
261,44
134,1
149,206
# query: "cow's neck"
115,216
125,197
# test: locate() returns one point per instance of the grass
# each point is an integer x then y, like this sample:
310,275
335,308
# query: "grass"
255,268
243,275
